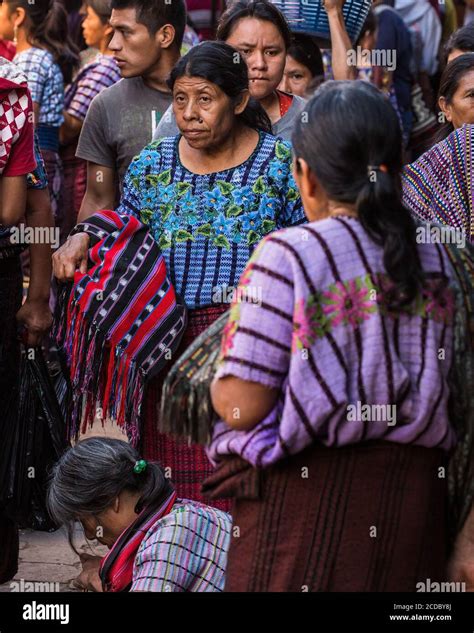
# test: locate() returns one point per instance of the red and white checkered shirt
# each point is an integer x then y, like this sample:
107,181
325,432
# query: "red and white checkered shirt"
16,122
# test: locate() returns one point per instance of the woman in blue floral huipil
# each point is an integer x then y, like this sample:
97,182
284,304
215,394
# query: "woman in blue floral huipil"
209,195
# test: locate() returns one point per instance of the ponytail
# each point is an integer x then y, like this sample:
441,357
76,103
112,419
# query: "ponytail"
390,225
347,127
47,27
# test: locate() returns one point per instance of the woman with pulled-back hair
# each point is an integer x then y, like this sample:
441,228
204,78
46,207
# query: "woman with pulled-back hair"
456,94
48,58
437,187
343,418
209,195
157,541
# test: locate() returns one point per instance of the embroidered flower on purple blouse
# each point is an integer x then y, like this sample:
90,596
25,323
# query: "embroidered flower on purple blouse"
303,333
348,302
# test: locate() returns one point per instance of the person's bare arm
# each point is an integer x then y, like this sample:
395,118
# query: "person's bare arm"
35,313
36,112
100,193
240,403
13,199
70,129
340,41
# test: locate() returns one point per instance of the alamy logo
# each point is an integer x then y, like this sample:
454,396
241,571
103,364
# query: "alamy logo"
25,586
28,235
359,412
437,234
38,611
440,587
242,294
384,58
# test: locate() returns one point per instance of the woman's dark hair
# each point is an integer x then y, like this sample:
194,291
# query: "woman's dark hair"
461,40
259,9
154,14
449,83
89,476
223,66
47,27
103,8
305,50
350,130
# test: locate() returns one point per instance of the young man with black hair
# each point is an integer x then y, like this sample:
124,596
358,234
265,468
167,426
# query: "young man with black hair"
122,119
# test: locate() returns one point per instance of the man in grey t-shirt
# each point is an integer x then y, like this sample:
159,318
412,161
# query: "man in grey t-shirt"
122,119
120,122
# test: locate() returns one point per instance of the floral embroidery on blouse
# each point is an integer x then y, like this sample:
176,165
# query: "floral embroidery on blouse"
208,225
351,302
232,214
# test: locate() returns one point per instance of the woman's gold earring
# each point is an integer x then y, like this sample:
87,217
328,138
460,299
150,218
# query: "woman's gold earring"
15,34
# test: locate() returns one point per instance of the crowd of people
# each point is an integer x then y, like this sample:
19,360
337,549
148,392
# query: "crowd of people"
295,215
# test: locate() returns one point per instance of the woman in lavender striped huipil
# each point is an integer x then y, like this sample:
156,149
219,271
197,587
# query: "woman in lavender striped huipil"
333,388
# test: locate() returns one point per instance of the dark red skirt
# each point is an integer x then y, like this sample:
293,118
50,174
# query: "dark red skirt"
368,517
188,464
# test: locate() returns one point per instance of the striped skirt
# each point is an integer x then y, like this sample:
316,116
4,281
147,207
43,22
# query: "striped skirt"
188,464
369,517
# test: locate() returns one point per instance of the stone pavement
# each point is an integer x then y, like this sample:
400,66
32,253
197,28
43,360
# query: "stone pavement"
48,557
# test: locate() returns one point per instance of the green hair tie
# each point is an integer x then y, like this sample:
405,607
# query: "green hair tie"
140,466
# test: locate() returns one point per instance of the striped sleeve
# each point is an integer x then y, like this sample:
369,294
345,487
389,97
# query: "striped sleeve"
186,551
257,343
89,86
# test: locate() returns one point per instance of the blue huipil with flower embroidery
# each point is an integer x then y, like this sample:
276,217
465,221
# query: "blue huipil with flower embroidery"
209,225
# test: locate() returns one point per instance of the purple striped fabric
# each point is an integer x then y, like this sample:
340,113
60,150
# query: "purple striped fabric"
101,73
317,327
186,550
438,186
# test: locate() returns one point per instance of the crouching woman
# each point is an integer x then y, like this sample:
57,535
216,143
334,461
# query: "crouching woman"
157,542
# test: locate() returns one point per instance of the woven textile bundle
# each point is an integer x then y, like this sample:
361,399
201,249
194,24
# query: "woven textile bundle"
119,324
186,407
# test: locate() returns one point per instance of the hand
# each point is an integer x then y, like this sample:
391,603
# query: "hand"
333,5
36,317
89,579
72,256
